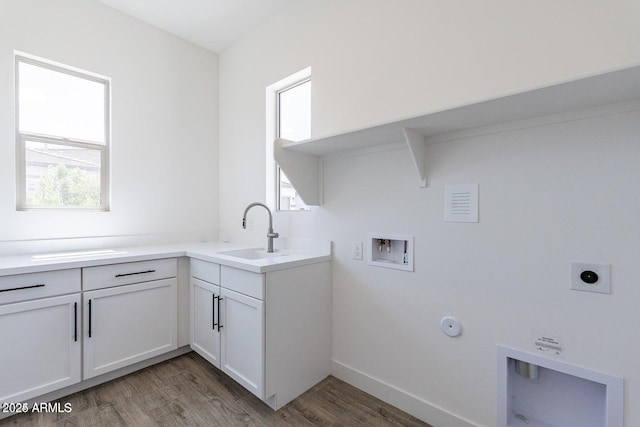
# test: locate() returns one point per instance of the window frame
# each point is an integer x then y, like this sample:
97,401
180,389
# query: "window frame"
273,185
23,137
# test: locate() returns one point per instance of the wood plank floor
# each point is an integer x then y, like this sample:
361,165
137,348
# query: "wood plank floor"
188,391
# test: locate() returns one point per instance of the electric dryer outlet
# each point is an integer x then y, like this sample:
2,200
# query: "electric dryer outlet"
591,277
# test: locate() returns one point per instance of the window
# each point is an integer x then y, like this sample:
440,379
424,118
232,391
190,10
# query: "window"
294,124
288,117
62,132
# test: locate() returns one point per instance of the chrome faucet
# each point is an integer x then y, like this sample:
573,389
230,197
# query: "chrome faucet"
270,234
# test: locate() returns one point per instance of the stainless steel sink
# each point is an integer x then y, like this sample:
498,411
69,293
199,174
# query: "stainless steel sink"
254,253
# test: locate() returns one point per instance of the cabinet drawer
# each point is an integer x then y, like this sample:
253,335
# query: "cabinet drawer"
21,287
207,271
241,281
106,276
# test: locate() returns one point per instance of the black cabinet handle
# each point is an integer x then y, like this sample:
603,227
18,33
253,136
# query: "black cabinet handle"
75,321
213,311
89,318
133,274
219,320
41,285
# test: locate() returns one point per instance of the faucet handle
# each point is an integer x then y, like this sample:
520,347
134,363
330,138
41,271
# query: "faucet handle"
273,235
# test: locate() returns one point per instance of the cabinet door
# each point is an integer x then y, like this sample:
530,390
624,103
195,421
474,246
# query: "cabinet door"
127,324
205,320
243,340
39,347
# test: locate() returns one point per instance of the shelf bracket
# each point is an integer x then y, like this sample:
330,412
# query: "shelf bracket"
418,149
302,169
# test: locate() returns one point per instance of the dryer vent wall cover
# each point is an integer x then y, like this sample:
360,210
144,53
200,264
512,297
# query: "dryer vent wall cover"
461,203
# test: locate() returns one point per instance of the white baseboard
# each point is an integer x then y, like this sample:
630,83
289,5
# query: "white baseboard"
411,404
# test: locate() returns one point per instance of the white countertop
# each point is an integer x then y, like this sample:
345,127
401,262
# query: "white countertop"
206,251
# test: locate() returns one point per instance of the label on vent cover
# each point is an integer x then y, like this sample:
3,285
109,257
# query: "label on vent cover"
461,203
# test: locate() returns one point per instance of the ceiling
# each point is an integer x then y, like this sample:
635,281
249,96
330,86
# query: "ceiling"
212,24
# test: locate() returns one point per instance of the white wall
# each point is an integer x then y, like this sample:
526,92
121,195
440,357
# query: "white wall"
164,121
549,194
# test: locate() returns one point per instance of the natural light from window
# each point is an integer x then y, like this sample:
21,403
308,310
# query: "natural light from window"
62,137
294,124
59,104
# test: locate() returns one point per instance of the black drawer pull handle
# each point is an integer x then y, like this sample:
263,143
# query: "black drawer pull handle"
133,274
219,320
89,318
75,322
41,285
213,313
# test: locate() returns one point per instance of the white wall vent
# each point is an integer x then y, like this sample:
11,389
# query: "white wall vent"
461,203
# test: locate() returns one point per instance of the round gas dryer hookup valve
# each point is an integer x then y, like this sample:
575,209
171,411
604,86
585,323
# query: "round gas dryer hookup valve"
450,326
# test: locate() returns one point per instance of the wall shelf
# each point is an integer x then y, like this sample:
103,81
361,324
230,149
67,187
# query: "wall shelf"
300,161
